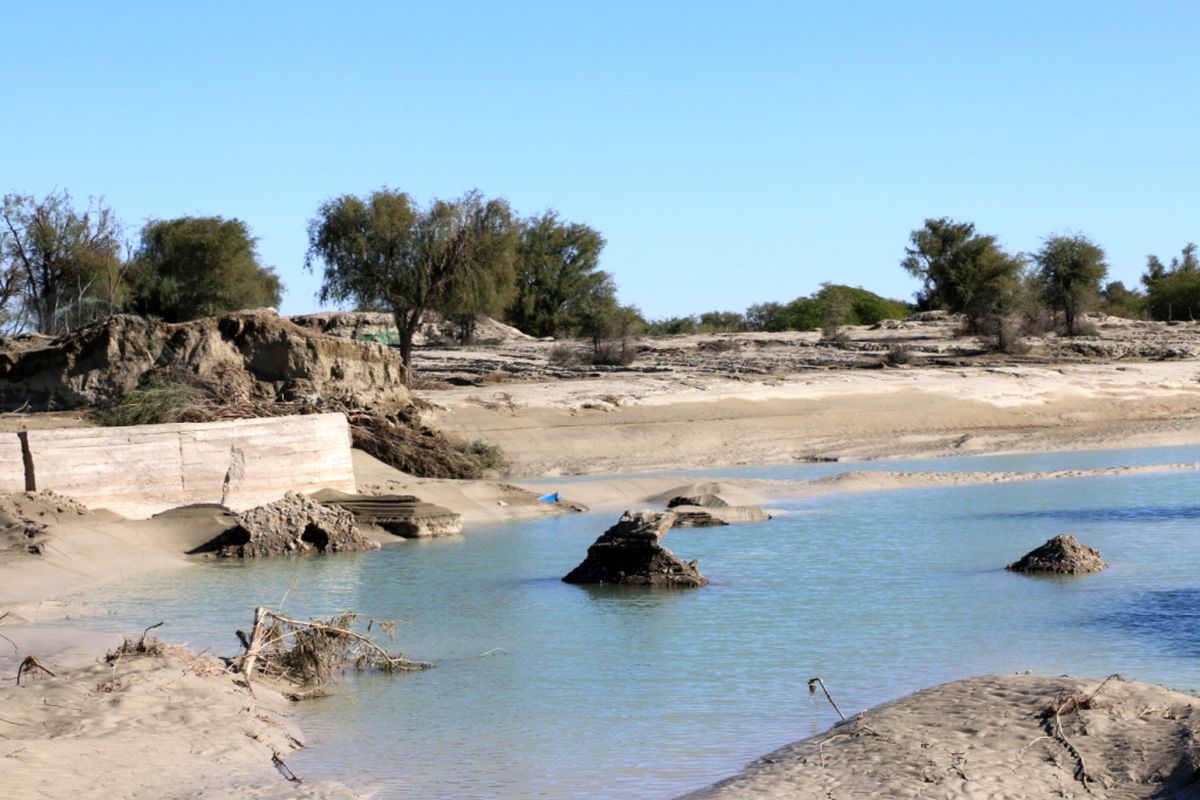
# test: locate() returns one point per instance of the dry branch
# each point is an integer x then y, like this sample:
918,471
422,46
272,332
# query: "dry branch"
1070,703
313,652
28,667
812,689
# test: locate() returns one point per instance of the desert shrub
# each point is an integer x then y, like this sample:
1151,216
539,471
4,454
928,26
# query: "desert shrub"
160,398
898,354
563,355
671,326
718,345
721,322
832,334
486,456
612,353
1085,327
765,317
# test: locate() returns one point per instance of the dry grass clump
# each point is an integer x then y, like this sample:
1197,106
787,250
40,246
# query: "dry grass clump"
495,376
564,355
898,354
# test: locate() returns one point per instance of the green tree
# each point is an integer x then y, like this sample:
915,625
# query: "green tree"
997,299
722,322
804,314
61,266
1071,268
194,267
964,272
385,249
1118,301
835,305
671,326
857,306
1173,292
609,326
557,271
765,317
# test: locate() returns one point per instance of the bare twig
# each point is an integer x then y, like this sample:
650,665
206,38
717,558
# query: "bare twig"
812,689
29,665
283,768
1067,704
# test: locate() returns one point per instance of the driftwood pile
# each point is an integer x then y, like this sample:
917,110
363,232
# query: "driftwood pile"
314,653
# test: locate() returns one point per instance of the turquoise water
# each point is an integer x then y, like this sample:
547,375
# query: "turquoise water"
547,690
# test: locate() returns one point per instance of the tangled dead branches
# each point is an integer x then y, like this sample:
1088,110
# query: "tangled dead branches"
1069,703
315,652
146,645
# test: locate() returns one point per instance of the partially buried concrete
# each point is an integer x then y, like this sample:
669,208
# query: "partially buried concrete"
1062,555
295,525
401,515
711,510
629,554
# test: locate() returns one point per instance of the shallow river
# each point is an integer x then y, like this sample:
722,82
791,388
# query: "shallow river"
547,690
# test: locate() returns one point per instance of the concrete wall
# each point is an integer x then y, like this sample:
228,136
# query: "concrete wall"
142,470
12,465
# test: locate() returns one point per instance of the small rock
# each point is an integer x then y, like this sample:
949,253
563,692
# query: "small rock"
1062,555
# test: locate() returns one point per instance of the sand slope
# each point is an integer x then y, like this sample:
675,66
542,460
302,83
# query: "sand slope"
648,422
150,727
986,738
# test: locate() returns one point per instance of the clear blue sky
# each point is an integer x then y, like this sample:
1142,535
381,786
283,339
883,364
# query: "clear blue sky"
730,153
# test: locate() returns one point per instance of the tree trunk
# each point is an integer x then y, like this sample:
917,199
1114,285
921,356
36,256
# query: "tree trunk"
407,323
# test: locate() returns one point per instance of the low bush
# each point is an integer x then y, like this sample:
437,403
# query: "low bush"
487,457
897,355
160,398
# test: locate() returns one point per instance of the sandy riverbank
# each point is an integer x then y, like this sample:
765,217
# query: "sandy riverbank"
648,422
569,427
1012,736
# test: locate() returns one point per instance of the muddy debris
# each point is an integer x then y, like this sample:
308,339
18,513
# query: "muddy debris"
1062,555
294,525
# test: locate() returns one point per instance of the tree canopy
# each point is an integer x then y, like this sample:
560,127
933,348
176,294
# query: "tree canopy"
1173,292
59,266
1070,269
964,272
952,261
558,276
194,267
386,250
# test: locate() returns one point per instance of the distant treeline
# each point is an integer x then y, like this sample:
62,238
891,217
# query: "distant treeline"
62,266
832,306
